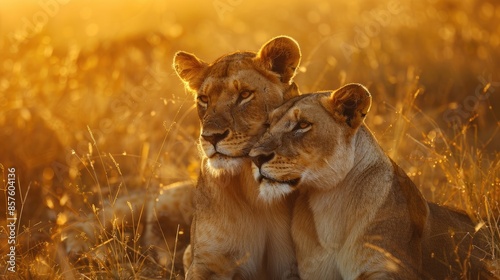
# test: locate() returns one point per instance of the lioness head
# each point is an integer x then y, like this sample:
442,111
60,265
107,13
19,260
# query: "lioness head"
234,95
310,141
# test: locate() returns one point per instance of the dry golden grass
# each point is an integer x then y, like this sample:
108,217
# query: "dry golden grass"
91,111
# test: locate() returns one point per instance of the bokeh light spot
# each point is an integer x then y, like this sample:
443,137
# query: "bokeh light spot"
92,29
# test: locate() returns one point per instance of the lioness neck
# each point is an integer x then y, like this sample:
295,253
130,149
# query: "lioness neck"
367,151
232,186
366,184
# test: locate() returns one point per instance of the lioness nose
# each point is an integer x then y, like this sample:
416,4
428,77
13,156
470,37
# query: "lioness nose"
261,159
216,137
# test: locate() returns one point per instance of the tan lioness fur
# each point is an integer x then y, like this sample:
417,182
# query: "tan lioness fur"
358,216
235,235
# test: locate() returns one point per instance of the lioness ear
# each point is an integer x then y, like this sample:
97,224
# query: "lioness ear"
282,56
350,104
190,69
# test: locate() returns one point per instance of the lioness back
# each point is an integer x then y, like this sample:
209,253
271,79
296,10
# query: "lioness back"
452,247
234,234
358,215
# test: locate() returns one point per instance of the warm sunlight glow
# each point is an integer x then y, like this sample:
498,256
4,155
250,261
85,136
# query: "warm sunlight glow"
95,123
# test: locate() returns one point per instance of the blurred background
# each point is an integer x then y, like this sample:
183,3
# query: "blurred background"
90,105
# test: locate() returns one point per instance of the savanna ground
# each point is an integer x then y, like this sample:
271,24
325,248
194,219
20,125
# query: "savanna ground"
91,111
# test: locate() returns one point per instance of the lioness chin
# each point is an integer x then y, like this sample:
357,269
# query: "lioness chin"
234,235
358,216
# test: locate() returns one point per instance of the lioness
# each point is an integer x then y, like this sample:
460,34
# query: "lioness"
234,235
358,216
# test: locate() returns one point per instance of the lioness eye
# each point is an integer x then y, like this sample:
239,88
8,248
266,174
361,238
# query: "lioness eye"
302,125
202,100
245,94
